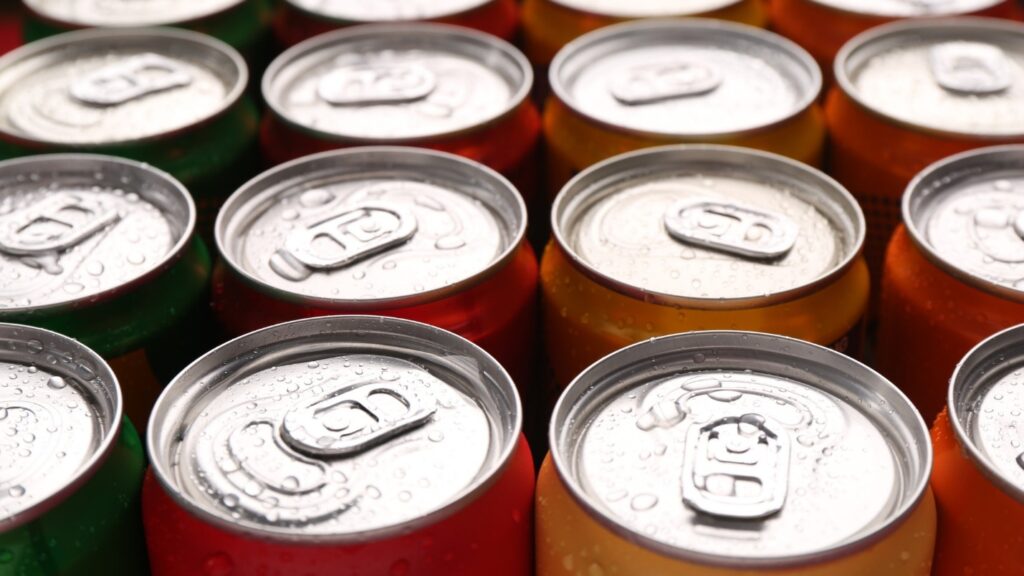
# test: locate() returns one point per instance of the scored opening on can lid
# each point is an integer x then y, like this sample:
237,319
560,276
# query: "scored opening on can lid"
100,87
953,77
907,8
371,228
371,11
725,448
390,83
334,429
127,13
685,78
60,409
78,228
986,408
708,226
966,214
646,8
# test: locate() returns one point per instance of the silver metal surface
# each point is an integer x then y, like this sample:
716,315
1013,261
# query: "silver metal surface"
646,8
369,11
908,8
128,13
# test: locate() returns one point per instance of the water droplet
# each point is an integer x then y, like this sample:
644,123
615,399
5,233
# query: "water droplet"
616,495
313,365
94,268
34,346
73,287
136,258
218,565
699,358
290,214
389,265
56,382
290,483
16,491
595,570
642,502
405,496
1002,185
230,500
315,197
450,243
664,414
725,395
435,436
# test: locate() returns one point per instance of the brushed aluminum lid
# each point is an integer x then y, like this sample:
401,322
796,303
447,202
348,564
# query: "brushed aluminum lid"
908,8
369,11
646,8
128,13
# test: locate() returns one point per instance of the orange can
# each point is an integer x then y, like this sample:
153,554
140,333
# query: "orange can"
650,83
954,273
734,454
979,462
911,93
687,238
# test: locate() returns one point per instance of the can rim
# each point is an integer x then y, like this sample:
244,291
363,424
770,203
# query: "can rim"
717,5
174,253
293,5
936,171
104,448
960,388
714,28
232,97
865,39
32,10
501,382
401,31
887,17
279,174
601,170
791,348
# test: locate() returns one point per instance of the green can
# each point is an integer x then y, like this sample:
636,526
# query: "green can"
71,465
102,249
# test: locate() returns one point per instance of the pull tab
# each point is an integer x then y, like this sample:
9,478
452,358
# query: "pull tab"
736,468
129,80
731,228
656,82
355,419
377,84
56,223
971,68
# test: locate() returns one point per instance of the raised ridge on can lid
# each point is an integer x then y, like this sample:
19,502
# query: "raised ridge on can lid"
966,214
109,86
60,410
80,227
646,8
128,13
369,11
908,8
334,429
725,448
387,83
708,226
685,78
371,228
986,408
960,77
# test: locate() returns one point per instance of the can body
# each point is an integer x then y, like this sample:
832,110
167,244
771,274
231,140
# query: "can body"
10,26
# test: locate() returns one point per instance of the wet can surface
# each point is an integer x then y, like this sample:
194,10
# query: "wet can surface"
70,465
428,85
171,98
979,462
700,238
399,232
644,84
380,445
954,272
102,249
719,453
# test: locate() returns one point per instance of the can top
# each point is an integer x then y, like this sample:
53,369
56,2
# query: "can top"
111,86
127,13
371,11
646,8
371,228
966,214
77,228
986,408
960,77
685,78
707,226
60,409
908,8
389,83
333,429
725,447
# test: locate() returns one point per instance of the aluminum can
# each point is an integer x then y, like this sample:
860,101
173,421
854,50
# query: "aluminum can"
356,444
734,453
10,25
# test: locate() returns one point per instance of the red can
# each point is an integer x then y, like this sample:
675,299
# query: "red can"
10,25
360,445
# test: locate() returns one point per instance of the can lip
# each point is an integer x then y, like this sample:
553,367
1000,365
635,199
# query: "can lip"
233,96
711,27
286,174
747,157
401,32
769,347
174,253
176,396
293,5
33,8
849,52
945,168
579,7
855,11
111,392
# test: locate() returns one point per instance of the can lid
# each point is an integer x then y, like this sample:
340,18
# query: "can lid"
333,429
966,214
708,226
986,408
127,13
107,86
686,78
646,8
388,83
371,228
60,411
908,8
725,447
369,11
959,77
75,228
